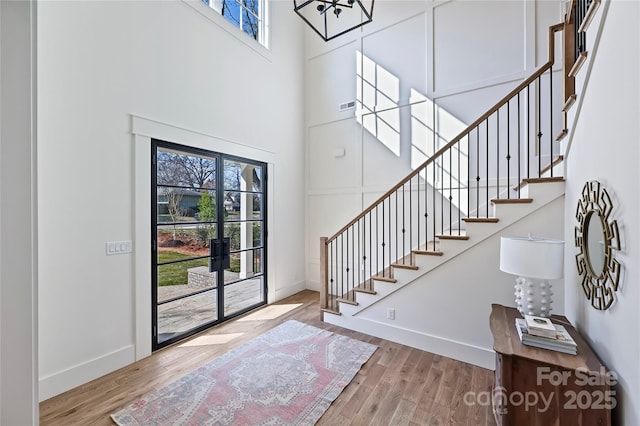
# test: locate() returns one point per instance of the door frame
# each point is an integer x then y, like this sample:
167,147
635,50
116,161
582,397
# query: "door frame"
220,316
143,129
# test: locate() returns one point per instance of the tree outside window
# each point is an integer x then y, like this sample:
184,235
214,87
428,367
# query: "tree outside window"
244,14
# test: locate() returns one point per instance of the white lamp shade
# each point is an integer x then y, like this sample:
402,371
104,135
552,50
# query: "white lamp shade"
532,257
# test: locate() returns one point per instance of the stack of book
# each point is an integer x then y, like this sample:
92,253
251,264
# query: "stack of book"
542,333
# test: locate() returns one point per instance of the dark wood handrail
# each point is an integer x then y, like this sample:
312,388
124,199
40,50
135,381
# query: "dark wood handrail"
570,10
547,66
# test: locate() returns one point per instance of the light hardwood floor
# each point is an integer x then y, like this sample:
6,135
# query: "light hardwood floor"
399,385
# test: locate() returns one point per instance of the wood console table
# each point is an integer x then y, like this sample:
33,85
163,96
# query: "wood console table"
536,386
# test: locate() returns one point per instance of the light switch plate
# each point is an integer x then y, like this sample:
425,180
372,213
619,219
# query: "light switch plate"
119,247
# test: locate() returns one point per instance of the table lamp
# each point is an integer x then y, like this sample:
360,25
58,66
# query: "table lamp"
534,261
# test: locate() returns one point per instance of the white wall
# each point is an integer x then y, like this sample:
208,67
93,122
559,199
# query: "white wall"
18,228
604,147
190,72
462,56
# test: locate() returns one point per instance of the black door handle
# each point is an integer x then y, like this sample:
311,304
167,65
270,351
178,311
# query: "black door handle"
214,257
226,250
219,251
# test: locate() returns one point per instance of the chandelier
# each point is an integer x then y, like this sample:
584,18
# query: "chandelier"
332,18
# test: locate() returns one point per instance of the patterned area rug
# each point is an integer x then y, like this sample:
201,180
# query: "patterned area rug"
287,376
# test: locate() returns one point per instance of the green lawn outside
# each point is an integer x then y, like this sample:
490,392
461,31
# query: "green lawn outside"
176,273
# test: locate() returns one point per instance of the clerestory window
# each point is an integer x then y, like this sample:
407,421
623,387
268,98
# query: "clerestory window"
248,15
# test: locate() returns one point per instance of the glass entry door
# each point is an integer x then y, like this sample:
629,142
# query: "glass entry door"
209,239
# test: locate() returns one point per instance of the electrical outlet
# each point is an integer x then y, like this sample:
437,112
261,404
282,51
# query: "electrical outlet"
391,313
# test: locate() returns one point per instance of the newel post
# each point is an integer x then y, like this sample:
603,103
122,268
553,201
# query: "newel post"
324,282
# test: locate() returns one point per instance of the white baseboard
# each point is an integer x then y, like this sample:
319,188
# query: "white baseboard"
287,291
80,374
313,285
460,351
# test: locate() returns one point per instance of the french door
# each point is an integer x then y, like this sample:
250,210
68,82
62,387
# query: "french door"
208,239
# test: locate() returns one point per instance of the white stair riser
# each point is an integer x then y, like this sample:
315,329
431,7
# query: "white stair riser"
542,191
403,275
427,262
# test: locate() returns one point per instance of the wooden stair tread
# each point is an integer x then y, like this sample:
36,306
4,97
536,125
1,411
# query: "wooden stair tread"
428,252
481,219
364,290
429,246
562,134
405,266
544,179
452,237
385,279
545,169
569,103
347,301
554,163
578,64
330,311
588,17
512,201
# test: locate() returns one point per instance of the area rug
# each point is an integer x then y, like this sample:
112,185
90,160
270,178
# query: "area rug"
286,376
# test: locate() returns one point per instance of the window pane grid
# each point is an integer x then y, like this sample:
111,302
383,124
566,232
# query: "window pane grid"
191,207
247,15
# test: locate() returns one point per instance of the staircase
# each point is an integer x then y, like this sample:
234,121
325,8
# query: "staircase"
413,246
540,192
435,277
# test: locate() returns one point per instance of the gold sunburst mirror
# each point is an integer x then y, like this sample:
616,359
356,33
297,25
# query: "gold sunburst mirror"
597,236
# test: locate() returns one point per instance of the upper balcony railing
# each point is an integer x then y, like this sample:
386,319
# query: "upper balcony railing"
579,16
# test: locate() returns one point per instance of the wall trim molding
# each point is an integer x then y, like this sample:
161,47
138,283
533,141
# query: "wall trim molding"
19,267
281,293
84,372
427,342
152,128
